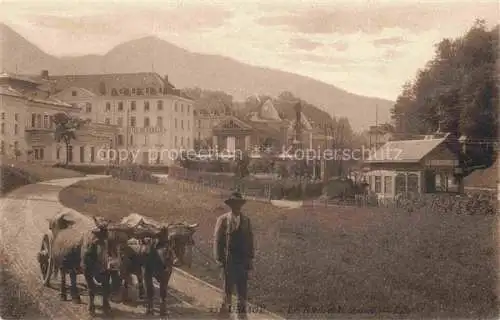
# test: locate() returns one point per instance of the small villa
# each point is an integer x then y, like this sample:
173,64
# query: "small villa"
425,165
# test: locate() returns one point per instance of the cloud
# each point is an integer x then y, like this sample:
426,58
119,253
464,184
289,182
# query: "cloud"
127,19
86,24
391,41
374,18
392,54
318,59
304,44
340,45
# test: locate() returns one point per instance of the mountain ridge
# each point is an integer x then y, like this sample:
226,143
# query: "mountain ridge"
190,69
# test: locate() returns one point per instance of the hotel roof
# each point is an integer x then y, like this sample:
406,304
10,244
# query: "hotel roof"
409,151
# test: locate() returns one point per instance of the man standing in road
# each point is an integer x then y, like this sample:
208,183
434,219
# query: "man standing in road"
234,252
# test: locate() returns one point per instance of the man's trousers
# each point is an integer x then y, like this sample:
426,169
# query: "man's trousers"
235,275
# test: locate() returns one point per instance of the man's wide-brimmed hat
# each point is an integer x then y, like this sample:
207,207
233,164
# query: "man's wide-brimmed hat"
235,198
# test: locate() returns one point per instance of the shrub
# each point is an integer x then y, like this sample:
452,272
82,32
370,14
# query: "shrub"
133,173
314,189
13,178
98,169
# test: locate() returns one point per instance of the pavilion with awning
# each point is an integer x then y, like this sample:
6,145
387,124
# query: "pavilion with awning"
413,166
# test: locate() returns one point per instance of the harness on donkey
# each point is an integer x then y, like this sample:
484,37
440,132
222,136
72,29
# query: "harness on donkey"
152,252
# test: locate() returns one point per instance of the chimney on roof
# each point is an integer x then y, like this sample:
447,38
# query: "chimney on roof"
45,74
166,78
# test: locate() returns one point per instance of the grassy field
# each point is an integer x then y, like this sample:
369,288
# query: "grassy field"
346,260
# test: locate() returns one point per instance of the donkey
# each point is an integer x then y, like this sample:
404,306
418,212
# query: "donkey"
86,246
154,258
172,248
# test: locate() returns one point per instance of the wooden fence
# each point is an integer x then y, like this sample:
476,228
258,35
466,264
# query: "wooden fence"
224,183
441,203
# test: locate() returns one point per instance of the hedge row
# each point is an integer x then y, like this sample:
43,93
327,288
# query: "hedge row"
13,178
481,203
279,189
105,169
132,173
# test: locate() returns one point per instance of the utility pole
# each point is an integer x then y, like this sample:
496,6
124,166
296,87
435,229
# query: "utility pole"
127,133
376,126
323,160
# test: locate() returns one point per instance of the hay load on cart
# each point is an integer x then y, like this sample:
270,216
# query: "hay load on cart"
66,230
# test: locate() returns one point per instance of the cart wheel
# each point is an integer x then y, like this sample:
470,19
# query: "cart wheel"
45,259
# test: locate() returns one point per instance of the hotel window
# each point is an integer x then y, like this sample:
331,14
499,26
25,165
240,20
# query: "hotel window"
132,121
159,122
159,105
46,123
199,123
119,121
92,154
38,120
82,154
146,106
16,116
175,141
131,139
2,128
3,115
387,185
133,90
182,108
175,123
119,140
88,107
16,128
199,135
378,184
2,147
73,93
188,109
132,106
189,126
51,122
107,121
58,153
39,153
108,107
120,106
70,154
146,122
187,143
33,120
182,141
182,124
175,106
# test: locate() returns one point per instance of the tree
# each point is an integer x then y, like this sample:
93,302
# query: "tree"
66,127
241,166
456,92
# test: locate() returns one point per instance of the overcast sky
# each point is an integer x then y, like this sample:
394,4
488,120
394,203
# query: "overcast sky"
366,47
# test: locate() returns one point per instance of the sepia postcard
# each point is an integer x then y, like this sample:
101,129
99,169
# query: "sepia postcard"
192,159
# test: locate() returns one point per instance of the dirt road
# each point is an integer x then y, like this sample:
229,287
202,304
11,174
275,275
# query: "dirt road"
23,221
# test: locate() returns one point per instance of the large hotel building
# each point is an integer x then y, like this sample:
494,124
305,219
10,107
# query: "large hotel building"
141,114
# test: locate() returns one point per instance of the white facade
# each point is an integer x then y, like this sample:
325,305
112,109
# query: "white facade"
158,126
383,182
26,125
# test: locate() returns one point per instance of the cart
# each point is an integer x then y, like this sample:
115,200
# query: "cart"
45,259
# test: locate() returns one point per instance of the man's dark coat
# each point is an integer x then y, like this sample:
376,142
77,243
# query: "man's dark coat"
222,239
